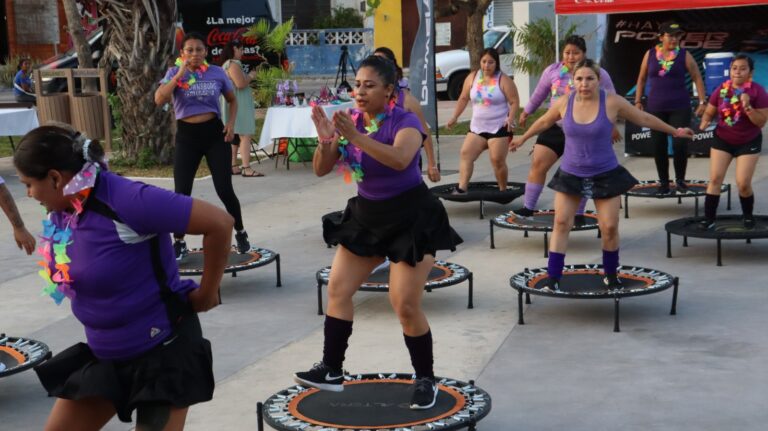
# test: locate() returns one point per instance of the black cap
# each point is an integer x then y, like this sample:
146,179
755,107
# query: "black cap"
670,27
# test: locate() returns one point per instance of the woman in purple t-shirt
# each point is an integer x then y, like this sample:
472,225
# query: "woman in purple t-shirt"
589,167
393,216
494,108
195,88
742,108
106,246
665,67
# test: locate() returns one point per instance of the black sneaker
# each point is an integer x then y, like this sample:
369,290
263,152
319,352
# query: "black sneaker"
243,246
180,249
321,377
706,225
424,393
523,212
682,186
458,191
612,282
550,285
749,222
663,189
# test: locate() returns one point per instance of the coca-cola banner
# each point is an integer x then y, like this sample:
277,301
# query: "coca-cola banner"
569,7
221,21
629,36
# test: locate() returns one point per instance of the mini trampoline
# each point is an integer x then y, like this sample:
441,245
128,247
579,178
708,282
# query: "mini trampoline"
19,354
443,274
541,221
696,188
192,264
375,402
482,192
586,282
726,227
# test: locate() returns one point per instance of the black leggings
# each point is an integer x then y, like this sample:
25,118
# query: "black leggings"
679,118
193,141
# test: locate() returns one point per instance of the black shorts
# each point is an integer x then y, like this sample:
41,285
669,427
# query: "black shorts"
402,228
554,139
606,185
754,146
501,133
178,372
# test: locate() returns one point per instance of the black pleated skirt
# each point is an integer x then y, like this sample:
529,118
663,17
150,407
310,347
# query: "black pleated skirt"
403,228
608,184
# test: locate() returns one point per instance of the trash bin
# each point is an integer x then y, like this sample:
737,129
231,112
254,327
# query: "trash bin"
87,115
717,69
53,107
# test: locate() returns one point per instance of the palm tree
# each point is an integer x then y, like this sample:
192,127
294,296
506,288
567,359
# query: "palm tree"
139,37
538,41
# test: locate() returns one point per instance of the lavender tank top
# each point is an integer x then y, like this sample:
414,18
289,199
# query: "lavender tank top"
588,147
489,106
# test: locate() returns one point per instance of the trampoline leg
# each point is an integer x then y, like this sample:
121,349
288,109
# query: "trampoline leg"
679,200
527,298
520,320
327,245
260,416
319,298
626,206
234,274
749,240
675,283
277,270
616,314
599,233
470,304
729,197
546,245
669,244
685,241
482,210
493,245
719,253
525,234
696,207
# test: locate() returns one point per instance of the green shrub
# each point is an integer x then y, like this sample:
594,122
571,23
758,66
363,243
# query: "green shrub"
340,17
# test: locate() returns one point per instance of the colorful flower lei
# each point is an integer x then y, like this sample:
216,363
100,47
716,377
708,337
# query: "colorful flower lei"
55,240
666,63
479,98
730,101
558,83
350,162
192,77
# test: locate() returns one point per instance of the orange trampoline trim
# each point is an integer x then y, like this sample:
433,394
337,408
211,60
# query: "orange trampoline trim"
15,354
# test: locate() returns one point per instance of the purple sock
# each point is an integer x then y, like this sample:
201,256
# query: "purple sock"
555,265
582,205
610,261
532,193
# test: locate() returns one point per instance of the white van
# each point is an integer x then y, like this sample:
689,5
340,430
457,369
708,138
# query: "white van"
452,67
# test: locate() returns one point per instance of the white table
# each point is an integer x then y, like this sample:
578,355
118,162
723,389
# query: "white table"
293,122
17,122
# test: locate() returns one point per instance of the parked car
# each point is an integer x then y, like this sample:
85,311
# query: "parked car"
452,67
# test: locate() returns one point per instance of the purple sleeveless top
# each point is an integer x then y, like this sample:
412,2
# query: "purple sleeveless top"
588,147
668,92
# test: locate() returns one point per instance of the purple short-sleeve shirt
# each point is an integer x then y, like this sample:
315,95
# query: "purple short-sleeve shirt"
202,96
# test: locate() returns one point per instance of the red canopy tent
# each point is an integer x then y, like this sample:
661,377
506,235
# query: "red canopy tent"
572,7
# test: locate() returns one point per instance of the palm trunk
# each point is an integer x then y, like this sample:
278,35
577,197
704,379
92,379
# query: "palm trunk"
75,30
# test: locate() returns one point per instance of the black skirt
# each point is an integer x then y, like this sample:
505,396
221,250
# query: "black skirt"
402,228
178,371
608,184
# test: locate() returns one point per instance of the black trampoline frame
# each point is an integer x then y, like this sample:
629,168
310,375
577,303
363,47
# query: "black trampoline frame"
465,198
673,228
477,406
271,256
34,352
322,279
725,188
520,281
500,222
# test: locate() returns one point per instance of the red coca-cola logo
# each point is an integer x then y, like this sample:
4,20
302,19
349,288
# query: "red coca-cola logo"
219,37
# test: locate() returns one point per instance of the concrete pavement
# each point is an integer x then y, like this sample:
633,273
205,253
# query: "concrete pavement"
700,370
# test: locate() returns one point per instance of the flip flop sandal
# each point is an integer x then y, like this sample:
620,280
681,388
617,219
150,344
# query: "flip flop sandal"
253,173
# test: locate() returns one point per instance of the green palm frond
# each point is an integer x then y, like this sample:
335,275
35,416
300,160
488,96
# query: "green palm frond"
538,41
275,40
266,79
258,30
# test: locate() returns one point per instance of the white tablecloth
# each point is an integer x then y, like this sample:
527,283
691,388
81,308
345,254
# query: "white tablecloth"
293,122
17,121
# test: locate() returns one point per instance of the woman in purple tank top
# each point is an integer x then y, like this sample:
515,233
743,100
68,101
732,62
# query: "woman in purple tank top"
665,67
589,167
394,216
494,108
